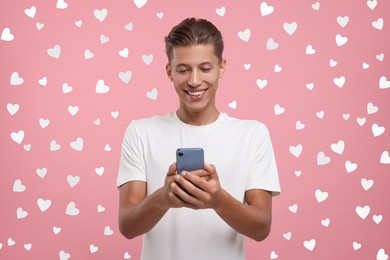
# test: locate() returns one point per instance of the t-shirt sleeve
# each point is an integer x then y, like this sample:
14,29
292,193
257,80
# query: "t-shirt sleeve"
263,172
132,164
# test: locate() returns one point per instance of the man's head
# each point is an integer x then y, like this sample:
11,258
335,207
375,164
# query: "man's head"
192,31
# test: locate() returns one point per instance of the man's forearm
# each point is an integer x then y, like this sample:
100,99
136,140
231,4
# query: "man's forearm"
249,220
139,218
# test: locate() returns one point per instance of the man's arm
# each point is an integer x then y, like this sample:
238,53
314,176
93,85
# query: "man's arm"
139,213
252,219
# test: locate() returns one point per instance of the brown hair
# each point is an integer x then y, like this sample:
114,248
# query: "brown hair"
192,31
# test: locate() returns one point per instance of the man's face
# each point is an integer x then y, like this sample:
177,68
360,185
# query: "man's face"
195,71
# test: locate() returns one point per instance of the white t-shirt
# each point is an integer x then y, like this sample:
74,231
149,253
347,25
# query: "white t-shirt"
242,153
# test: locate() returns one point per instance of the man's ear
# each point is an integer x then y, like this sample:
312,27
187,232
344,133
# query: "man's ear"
222,68
168,69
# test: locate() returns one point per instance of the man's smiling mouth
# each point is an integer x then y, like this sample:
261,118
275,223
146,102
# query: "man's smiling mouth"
196,93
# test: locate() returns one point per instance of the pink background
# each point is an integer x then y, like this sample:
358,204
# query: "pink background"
327,108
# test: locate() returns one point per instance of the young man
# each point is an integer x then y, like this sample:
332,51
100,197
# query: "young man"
202,214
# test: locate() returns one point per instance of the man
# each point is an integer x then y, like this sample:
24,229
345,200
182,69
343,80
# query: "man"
202,214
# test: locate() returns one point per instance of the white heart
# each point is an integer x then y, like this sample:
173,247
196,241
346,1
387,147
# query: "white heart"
56,230
290,28
325,222
28,246
41,172
273,255
287,235
124,53
43,81
108,231
380,57
11,242
100,209
71,209
299,125
377,218
372,4
78,23
385,158
339,81
104,39
322,159
261,83
88,54
350,166
20,213
27,147
126,255
356,245
101,88
296,150
73,110
346,116
140,3
367,184
64,255
99,171
363,211
266,9
247,66
30,12
384,83
43,204
377,130
320,114
341,40
244,35
221,11
160,15
332,63
54,146
107,148
129,26
233,104
93,248
61,4
316,6
361,121
6,35
310,244
12,108
278,110
73,180
100,14
78,144
278,68
321,195
342,21
147,59
115,114
310,50
54,52
339,147
125,76
18,186
16,80
378,24
365,65
39,26
293,208
152,94
381,255
310,86
66,88
298,173
18,136
271,44
371,108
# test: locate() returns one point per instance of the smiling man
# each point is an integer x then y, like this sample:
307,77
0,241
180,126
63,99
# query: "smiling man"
203,214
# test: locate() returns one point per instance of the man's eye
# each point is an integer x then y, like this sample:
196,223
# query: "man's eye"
182,70
205,69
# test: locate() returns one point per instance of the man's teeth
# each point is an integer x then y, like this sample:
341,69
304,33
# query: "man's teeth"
197,93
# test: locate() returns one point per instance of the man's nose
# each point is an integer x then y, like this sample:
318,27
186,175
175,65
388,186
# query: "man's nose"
194,79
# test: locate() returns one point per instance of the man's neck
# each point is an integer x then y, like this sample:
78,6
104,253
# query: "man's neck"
198,118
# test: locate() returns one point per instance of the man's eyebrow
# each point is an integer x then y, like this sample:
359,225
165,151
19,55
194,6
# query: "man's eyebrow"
187,65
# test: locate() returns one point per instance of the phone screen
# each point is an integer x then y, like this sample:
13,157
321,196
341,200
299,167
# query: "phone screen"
189,159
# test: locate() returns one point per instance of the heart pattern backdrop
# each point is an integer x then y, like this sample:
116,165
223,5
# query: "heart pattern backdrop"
74,74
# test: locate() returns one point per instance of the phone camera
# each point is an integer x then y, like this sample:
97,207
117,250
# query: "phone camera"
180,154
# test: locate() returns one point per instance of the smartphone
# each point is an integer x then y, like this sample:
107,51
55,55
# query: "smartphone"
189,159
